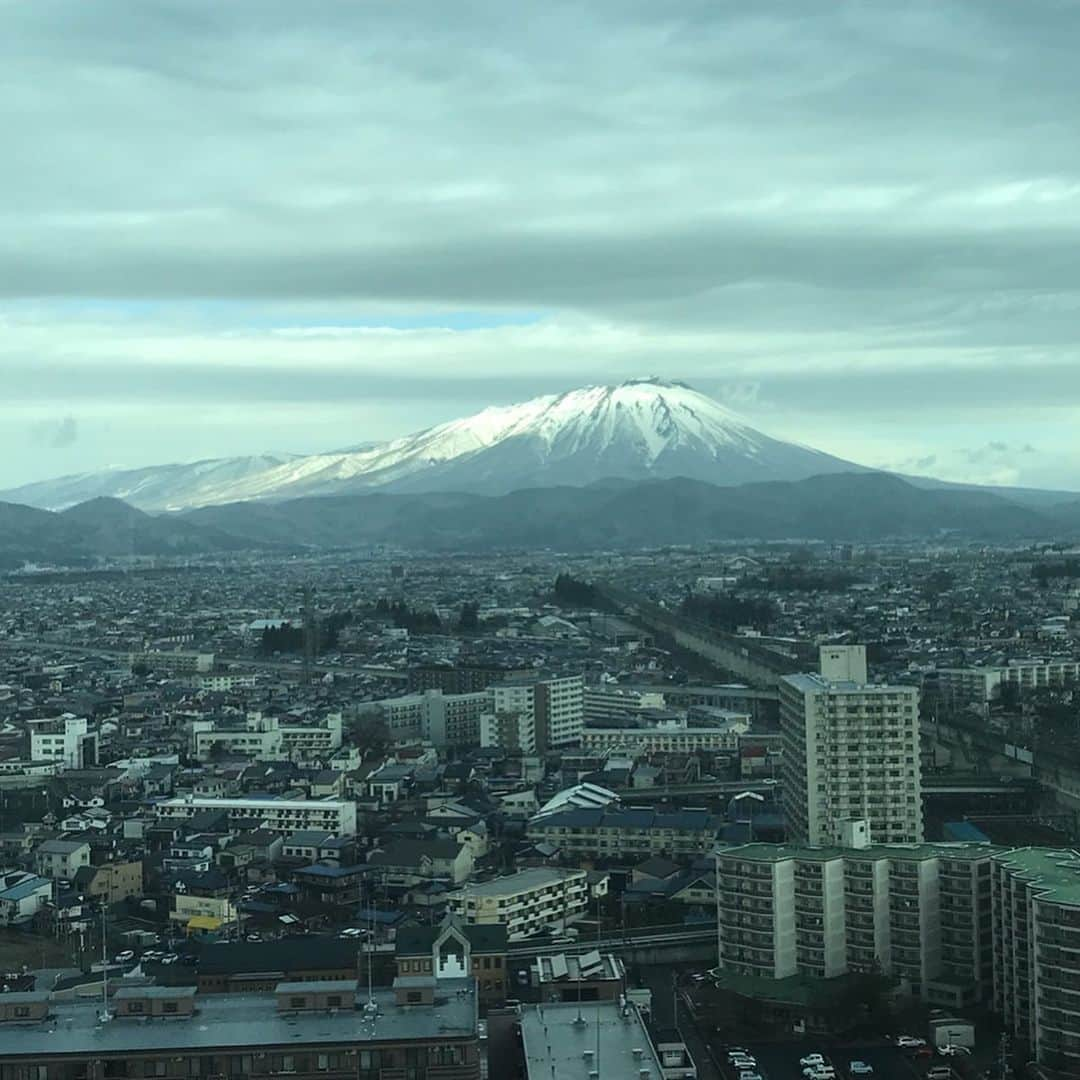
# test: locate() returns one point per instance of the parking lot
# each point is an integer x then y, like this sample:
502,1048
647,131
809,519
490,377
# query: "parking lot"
780,1061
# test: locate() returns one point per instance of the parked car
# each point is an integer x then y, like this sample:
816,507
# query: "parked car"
812,1059
860,1068
909,1042
953,1051
124,957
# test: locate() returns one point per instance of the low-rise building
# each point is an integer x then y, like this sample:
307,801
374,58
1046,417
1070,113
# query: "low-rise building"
623,834
669,737
334,1029
276,815
22,896
111,882
61,859
457,948
526,903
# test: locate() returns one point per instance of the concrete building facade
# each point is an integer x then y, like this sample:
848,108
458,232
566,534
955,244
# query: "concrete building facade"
526,903
850,753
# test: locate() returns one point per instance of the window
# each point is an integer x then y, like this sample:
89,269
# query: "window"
169,1006
334,1001
297,1002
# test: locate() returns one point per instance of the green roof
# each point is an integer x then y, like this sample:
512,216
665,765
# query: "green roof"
806,853
1053,873
803,990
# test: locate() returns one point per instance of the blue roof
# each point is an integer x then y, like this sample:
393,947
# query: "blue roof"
319,870
964,830
24,889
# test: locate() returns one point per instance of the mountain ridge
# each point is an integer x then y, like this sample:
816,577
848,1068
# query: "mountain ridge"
861,507
635,430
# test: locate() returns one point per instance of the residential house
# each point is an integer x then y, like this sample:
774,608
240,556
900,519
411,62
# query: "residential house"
61,859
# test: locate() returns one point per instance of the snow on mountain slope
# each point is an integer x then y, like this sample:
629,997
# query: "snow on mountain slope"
645,428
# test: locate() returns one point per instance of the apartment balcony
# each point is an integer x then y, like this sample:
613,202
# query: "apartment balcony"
1065,939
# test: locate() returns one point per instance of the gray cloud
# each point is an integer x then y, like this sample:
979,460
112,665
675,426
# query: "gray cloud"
844,210
56,434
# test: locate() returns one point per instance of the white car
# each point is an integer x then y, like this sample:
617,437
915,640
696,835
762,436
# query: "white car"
819,1072
860,1068
953,1051
812,1059
909,1042
124,957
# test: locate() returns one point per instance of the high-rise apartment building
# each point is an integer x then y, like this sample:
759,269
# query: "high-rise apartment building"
550,706
920,912
851,753
1036,943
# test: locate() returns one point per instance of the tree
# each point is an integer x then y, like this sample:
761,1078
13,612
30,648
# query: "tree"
370,733
469,619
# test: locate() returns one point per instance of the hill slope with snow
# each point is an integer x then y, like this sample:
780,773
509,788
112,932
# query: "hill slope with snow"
642,429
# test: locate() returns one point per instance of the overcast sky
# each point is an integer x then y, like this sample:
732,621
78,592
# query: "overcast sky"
228,227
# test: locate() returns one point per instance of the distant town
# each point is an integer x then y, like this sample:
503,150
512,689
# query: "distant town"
677,813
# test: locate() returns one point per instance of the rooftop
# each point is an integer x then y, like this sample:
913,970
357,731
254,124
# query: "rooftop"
243,1021
1053,875
524,880
569,1040
806,853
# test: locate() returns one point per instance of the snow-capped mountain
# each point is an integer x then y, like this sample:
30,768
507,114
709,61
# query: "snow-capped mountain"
645,428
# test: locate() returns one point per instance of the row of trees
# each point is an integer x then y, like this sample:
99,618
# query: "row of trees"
727,611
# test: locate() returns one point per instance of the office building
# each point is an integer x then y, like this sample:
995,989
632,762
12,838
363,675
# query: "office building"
285,816
850,753
606,1039
601,704
66,739
526,903
331,1029
668,737
268,738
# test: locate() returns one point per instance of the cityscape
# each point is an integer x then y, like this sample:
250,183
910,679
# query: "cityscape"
539,541
776,797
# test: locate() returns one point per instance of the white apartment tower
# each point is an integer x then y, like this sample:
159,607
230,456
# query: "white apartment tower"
851,754
547,711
